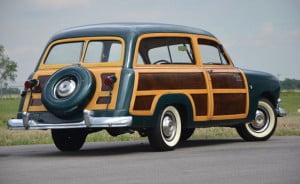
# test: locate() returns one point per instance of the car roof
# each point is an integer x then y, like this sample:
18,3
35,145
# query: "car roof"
125,30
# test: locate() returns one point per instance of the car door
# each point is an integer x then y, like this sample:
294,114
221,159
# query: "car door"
165,65
228,89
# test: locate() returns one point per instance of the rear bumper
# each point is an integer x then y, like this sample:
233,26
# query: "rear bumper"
89,121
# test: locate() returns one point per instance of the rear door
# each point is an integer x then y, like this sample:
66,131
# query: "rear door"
228,89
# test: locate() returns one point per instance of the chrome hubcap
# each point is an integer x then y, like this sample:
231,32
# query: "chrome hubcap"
169,126
261,121
64,88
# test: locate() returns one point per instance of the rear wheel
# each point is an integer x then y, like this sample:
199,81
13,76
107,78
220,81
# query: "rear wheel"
69,139
186,133
166,133
264,125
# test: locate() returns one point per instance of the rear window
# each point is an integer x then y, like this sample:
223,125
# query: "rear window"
66,53
97,51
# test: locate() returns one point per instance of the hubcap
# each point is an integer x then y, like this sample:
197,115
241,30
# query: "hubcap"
261,121
169,126
64,88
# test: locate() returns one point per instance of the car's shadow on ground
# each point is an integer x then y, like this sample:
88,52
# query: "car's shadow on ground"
134,147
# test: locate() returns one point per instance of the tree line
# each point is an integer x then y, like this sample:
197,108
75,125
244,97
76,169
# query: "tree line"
290,84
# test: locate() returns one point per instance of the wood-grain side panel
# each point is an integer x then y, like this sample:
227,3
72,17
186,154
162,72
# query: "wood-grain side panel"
171,81
227,80
229,104
143,102
200,101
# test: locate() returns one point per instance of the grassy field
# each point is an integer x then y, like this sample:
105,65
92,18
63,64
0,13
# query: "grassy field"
287,126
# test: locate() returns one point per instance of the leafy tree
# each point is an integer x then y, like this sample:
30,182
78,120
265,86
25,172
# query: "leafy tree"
8,69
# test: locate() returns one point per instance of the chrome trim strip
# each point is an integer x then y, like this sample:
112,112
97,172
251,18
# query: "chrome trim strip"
89,122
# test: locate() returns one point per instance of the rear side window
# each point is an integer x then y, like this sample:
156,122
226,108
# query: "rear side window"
165,50
103,51
212,53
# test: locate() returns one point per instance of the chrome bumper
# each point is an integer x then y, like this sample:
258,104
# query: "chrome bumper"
89,122
280,112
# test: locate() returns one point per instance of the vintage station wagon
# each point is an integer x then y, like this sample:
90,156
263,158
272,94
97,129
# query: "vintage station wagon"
160,80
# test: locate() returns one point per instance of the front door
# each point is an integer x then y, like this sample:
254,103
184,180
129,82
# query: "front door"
228,85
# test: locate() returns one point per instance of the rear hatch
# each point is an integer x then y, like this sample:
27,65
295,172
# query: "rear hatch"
101,56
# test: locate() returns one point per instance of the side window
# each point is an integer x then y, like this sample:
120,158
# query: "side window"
211,53
165,50
140,59
103,51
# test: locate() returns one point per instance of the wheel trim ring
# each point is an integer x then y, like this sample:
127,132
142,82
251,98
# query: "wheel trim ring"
261,122
169,126
272,121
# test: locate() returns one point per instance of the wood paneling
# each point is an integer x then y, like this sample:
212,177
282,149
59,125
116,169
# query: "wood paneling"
228,104
227,81
143,102
171,81
200,101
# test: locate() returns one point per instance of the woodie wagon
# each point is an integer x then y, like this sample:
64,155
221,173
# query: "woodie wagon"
160,80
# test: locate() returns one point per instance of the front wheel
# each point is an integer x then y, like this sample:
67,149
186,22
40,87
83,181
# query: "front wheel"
264,125
166,133
69,139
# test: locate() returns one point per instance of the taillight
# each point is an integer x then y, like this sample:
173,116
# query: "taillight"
29,84
110,80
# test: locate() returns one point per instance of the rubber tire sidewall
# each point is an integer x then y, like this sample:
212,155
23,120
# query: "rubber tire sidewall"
249,135
155,135
73,104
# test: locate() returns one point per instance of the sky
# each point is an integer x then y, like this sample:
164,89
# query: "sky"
260,35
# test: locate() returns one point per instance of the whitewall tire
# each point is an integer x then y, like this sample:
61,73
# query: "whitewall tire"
264,125
166,133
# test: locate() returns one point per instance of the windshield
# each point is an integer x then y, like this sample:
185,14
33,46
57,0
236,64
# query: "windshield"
97,51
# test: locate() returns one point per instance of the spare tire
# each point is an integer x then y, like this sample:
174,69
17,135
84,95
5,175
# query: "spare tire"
68,91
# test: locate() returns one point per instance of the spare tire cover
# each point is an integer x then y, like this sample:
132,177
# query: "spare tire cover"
68,91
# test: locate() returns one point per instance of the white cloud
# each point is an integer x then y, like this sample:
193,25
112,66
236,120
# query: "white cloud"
267,29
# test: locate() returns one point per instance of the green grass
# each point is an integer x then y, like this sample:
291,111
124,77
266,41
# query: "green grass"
8,109
287,126
291,102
